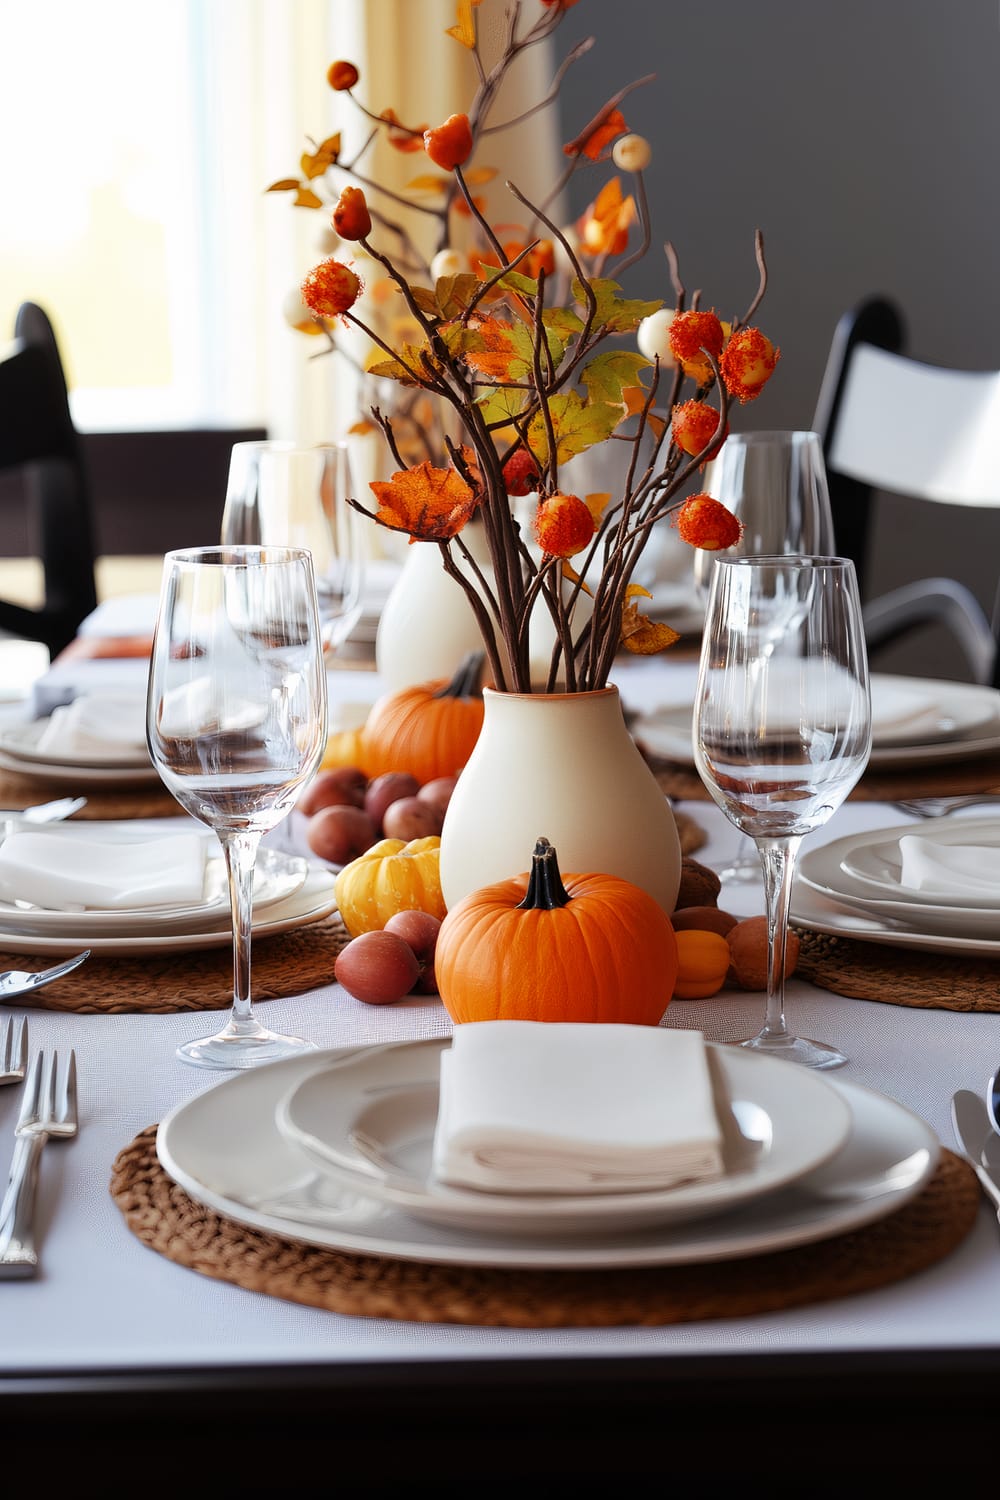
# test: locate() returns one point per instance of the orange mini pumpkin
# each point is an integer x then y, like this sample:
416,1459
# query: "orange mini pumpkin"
539,947
429,729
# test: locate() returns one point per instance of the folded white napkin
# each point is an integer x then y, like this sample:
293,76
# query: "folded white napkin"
536,1106
74,874
108,725
969,870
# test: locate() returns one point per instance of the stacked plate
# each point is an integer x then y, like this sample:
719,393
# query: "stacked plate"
915,721
335,1149
288,892
21,750
914,885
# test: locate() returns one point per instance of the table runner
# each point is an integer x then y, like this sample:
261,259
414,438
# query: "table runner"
163,1216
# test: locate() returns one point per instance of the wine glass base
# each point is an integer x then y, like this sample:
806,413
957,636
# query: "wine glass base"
795,1049
233,1050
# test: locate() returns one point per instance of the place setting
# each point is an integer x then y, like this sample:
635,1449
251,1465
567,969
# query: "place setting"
416,1180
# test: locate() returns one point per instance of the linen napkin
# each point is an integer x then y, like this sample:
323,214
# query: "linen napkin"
971,871
79,874
539,1106
109,726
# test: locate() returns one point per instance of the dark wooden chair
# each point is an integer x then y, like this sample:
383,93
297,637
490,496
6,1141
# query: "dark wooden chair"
41,447
892,425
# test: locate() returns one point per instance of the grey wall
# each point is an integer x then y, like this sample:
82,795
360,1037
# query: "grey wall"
862,137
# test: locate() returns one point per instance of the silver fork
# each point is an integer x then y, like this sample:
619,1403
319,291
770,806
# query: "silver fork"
13,1051
48,1111
940,807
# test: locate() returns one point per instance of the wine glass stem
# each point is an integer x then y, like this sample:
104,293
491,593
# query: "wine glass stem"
777,857
240,848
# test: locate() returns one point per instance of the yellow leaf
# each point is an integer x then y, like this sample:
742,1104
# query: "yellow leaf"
427,183
479,176
637,588
641,636
465,29
571,576
306,198
283,185
597,505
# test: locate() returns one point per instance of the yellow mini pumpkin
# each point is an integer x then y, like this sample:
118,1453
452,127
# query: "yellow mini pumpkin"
345,747
537,948
391,876
703,963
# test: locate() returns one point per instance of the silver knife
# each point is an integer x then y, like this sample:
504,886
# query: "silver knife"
975,1134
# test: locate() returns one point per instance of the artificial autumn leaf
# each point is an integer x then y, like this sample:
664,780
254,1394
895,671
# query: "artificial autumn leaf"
453,294
480,176
499,405
428,182
603,227
399,136
361,428
407,368
464,30
615,314
431,504
306,198
562,321
577,425
597,504
507,351
572,576
613,125
635,398
315,163
607,375
283,185
641,636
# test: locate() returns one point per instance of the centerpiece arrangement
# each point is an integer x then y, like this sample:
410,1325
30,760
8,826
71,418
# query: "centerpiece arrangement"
521,353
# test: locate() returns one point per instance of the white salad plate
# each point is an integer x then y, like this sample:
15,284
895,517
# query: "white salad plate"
966,724
368,1121
224,1148
314,900
19,752
872,862
816,911
276,877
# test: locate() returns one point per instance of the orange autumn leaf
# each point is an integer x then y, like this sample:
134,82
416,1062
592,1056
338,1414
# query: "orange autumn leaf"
399,135
464,30
431,504
613,125
603,227
494,358
641,636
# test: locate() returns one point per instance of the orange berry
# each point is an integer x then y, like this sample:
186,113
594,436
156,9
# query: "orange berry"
450,144
521,472
693,425
351,218
341,75
747,363
563,525
330,288
693,332
706,523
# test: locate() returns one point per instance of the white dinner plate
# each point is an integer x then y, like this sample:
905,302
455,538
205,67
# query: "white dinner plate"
224,1148
313,901
812,909
368,1120
969,725
17,753
873,863
21,740
276,877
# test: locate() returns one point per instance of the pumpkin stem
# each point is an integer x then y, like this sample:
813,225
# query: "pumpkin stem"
467,681
545,888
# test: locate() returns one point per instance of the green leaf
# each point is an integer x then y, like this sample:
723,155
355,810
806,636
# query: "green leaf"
562,321
578,425
616,314
454,293
500,405
609,373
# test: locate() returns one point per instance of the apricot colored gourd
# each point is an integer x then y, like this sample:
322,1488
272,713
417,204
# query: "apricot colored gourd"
429,729
540,947
391,876
345,747
703,963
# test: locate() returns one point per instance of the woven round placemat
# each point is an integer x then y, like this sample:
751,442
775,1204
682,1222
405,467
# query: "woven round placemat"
981,775
287,963
147,801
690,833
168,1221
898,976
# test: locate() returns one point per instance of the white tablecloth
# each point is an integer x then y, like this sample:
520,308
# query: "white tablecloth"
104,1300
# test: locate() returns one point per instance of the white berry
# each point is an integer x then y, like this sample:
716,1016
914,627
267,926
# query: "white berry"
632,153
653,335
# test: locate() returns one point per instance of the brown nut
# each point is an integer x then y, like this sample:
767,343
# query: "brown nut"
699,885
748,949
703,919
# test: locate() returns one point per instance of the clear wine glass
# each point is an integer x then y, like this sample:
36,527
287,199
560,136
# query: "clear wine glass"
775,484
236,722
281,494
782,729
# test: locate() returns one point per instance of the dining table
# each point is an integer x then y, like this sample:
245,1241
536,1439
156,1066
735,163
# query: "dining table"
160,1345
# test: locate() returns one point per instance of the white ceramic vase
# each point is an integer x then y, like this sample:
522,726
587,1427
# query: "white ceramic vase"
427,624
560,766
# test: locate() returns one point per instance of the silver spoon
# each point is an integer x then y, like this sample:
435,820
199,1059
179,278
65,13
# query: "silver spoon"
42,812
19,981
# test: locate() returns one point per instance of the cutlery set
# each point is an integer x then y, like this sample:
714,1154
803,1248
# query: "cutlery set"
48,1112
